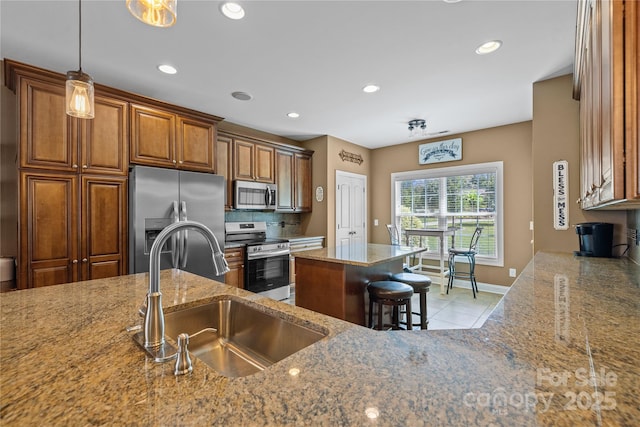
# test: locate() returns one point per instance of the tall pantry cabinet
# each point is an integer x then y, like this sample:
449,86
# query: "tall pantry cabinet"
72,220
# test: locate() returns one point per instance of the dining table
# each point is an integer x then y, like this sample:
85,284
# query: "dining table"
439,269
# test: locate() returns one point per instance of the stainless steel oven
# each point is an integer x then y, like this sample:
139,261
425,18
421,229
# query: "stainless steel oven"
266,267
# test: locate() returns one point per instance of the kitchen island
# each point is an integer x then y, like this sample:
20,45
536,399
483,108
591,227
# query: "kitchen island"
564,337
333,280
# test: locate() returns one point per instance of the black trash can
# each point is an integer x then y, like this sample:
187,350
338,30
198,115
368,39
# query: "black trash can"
596,239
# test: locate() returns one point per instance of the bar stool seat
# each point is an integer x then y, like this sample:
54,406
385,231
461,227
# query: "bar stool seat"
390,293
421,284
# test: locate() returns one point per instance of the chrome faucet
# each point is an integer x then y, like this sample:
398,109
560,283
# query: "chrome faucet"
154,316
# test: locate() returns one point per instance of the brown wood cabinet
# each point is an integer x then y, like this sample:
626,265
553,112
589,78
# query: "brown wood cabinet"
51,140
72,227
235,259
224,167
165,139
606,85
253,161
293,178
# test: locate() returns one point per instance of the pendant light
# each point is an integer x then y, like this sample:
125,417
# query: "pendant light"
158,13
79,86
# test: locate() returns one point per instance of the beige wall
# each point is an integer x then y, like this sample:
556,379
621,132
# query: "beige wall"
510,144
326,161
556,137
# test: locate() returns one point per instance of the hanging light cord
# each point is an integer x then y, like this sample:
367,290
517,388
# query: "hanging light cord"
80,36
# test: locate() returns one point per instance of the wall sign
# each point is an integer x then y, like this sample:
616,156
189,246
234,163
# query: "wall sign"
561,195
441,151
319,194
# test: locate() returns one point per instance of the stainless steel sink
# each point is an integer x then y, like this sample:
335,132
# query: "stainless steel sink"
248,339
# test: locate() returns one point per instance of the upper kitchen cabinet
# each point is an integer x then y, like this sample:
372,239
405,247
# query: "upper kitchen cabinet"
52,140
163,138
253,161
605,82
293,178
224,167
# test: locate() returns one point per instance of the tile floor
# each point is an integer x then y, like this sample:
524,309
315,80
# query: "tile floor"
457,310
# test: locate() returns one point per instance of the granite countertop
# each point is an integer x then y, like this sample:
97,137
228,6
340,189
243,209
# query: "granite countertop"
364,255
564,337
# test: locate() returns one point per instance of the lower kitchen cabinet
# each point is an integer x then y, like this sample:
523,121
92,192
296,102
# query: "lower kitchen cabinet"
300,244
71,228
235,259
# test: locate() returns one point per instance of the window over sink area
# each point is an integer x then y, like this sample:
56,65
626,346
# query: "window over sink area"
463,197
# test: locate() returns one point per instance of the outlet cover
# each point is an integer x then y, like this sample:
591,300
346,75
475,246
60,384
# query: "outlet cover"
512,272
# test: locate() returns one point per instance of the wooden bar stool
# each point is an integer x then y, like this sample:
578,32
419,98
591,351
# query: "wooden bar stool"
421,285
394,294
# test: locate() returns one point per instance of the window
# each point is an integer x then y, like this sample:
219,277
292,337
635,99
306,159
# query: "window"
463,197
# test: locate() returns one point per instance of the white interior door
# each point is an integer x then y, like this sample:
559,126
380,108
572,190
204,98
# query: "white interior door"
351,208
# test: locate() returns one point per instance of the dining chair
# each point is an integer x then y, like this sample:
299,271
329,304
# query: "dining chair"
470,254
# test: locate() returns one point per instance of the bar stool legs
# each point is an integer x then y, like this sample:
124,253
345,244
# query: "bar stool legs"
421,284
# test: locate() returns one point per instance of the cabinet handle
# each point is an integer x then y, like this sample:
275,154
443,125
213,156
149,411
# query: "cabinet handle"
174,162
75,261
180,161
84,260
74,166
84,166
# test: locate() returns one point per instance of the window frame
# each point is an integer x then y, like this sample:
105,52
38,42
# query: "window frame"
470,169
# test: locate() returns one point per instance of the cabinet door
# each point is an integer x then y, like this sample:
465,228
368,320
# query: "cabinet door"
224,165
285,180
104,140
104,227
243,160
152,137
48,136
303,186
264,166
610,34
194,144
235,259
48,229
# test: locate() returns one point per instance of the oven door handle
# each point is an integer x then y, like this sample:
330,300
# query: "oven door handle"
268,254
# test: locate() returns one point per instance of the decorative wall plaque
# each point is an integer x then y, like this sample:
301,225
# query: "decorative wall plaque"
561,195
350,157
441,151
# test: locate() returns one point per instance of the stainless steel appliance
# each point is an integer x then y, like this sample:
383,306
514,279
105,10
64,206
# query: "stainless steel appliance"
159,197
266,267
254,195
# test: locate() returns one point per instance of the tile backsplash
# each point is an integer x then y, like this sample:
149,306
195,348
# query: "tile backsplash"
278,224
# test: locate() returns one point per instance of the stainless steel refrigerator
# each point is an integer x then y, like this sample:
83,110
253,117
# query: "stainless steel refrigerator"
159,197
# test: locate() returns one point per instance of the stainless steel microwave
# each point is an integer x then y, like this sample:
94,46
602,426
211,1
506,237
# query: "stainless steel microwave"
254,195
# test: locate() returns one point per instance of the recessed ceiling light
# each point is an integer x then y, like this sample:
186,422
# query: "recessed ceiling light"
488,47
242,96
232,10
167,69
293,115
370,88
451,1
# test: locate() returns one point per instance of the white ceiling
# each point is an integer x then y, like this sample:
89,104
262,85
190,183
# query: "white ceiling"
314,57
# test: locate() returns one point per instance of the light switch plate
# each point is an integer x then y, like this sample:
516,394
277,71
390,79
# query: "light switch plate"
512,272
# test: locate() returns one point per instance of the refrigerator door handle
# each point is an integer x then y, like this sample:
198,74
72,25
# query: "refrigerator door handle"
183,237
174,238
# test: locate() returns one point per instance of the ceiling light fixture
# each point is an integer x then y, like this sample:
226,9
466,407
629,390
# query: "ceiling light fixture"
79,85
414,125
371,88
167,69
158,13
232,10
293,115
488,47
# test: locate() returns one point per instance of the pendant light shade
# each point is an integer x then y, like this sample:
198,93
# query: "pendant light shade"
79,95
79,85
159,13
